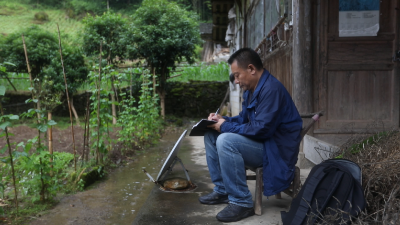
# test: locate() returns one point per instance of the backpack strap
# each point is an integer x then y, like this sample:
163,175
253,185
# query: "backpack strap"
335,183
309,188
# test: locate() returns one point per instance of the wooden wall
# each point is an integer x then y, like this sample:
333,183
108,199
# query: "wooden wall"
279,64
355,80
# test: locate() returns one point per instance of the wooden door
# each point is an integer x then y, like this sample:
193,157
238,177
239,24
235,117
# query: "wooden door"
356,81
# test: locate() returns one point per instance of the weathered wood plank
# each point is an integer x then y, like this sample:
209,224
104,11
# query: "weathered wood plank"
381,37
365,67
344,52
359,97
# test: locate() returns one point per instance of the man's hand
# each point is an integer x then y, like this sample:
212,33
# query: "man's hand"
217,126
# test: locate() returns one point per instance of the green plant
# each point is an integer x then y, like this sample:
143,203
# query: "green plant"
100,116
204,72
41,46
163,33
41,16
110,29
141,125
38,177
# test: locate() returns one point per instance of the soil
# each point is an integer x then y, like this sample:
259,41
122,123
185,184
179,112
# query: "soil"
62,140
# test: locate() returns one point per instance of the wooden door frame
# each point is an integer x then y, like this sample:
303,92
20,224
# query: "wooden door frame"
321,65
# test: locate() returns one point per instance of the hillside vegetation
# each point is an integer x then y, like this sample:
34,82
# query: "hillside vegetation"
16,16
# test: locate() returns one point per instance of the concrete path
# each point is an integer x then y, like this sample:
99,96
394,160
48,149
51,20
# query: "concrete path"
184,208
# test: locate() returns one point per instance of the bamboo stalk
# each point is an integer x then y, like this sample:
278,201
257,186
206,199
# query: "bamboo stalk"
66,90
27,63
88,128
37,105
30,74
131,83
11,160
154,81
84,133
50,137
88,138
98,106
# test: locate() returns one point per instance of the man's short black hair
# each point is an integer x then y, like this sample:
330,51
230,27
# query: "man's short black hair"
246,56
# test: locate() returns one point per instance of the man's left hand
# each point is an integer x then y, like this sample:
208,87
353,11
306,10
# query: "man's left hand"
217,126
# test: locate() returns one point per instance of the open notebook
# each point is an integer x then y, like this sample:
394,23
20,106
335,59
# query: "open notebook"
201,127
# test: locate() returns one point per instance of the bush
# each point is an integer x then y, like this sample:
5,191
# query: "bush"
41,16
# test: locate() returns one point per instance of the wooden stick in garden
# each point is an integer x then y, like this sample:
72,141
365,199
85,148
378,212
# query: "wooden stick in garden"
66,90
50,134
11,160
29,72
87,134
38,114
27,62
86,124
98,106
131,83
154,81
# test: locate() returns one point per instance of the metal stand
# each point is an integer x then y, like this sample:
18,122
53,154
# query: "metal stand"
172,166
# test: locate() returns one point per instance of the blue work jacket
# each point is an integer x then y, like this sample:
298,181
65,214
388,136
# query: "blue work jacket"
270,116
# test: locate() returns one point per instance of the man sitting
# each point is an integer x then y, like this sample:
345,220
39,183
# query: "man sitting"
265,133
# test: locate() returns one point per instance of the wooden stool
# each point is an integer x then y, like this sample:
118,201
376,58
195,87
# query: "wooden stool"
292,191
295,186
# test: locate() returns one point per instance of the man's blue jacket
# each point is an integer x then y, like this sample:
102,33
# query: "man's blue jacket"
270,116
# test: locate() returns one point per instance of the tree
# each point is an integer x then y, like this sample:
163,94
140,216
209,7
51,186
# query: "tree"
41,47
110,28
76,72
44,59
163,33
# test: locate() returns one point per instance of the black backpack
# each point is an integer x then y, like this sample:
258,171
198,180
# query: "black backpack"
332,191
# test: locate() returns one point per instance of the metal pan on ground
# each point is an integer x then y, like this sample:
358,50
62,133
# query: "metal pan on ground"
169,163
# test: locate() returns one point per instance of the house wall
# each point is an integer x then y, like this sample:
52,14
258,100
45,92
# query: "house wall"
356,81
254,21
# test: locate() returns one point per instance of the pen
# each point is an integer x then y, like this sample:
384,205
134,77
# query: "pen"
216,113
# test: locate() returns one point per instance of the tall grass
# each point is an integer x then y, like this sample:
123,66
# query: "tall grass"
204,72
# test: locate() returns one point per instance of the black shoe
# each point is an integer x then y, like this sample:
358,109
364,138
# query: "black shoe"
213,198
233,213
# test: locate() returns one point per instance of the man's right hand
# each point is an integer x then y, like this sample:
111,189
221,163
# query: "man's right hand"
214,117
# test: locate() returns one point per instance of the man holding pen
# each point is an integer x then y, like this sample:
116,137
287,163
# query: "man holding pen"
266,133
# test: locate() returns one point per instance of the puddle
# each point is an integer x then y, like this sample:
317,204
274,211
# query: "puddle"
117,199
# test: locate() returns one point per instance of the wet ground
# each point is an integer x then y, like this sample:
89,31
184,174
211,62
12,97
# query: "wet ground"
185,209
128,196
116,200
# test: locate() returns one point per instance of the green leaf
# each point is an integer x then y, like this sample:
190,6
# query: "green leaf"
4,125
3,150
51,122
5,159
14,117
2,90
42,128
28,147
17,154
8,63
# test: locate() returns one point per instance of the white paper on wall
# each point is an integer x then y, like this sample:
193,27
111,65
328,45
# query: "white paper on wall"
358,18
